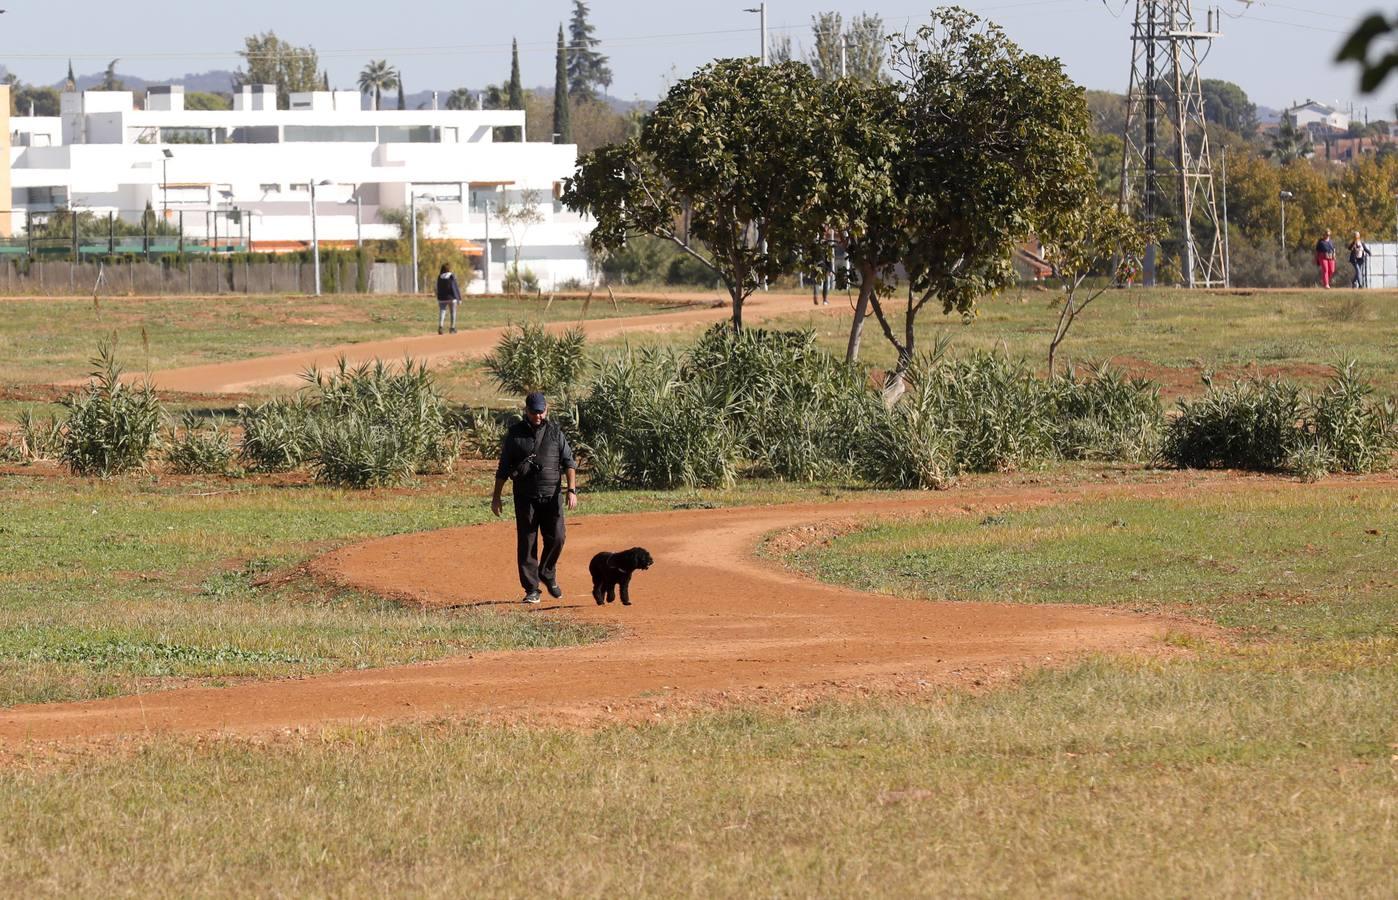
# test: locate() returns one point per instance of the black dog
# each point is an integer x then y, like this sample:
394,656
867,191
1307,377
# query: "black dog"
612,569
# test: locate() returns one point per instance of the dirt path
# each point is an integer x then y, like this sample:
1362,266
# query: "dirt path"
285,369
710,621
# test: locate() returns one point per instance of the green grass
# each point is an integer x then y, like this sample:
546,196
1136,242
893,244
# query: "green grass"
1121,779
1264,766
1276,562
50,339
110,587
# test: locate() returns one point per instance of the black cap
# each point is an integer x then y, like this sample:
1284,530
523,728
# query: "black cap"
535,402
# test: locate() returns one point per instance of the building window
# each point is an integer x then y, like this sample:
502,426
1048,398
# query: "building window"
186,136
417,134
329,134
255,134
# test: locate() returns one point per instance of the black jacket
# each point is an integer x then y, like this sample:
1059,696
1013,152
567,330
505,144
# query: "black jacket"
448,290
552,457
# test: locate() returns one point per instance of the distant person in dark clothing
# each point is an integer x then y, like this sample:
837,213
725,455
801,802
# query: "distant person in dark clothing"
1325,259
448,297
535,455
1358,256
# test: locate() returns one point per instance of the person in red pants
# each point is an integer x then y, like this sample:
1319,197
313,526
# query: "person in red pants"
1325,259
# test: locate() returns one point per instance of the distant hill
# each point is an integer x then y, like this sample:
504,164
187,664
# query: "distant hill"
217,81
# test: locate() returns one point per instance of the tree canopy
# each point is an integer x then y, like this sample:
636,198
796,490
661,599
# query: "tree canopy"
725,167
270,60
375,78
588,69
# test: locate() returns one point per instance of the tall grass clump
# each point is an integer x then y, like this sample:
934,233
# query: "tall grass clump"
36,438
199,447
1106,415
1359,431
1275,426
800,413
276,435
375,424
111,426
979,413
644,424
529,358
482,431
1252,423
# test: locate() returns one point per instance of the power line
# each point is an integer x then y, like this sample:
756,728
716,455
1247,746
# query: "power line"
494,47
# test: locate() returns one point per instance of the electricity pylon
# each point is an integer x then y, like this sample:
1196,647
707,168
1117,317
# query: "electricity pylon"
1165,95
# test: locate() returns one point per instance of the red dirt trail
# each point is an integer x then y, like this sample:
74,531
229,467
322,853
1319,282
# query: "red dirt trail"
710,621
284,370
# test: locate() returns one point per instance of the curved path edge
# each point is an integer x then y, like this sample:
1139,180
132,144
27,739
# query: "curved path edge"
711,622
284,370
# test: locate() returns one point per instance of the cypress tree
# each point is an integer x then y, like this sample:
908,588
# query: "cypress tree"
398,77
562,128
516,89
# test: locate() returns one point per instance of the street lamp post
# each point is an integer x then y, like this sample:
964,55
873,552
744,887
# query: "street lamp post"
164,181
1284,196
412,215
761,10
315,238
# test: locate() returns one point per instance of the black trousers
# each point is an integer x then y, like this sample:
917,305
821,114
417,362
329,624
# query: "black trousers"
535,516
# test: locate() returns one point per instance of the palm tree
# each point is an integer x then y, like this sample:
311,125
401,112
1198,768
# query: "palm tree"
376,78
461,98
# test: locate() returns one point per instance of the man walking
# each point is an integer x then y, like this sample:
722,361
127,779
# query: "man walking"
535,455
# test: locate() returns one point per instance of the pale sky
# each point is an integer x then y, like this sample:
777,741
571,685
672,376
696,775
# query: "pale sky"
1278,52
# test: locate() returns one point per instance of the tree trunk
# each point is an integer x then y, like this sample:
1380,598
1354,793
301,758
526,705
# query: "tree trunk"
861,312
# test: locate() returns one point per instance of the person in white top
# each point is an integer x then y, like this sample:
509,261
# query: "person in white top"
1358,257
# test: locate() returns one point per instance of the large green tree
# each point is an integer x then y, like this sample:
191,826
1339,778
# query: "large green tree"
45,101
726,168
588,69
972,176
1228,105
270,60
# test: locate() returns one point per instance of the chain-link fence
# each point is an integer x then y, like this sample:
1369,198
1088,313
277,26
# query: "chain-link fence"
173,276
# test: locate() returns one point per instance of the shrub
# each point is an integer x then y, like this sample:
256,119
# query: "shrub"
374,424
353,451
197,447
111,425
798,410
1106,415
528,358
34,439
644,425
482,431
521,281
1250,424
275,435
1358,434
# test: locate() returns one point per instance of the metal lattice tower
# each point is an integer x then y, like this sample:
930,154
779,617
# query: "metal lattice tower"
1165,111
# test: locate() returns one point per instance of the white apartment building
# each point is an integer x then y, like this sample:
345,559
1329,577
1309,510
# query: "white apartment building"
1313,113
246,174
